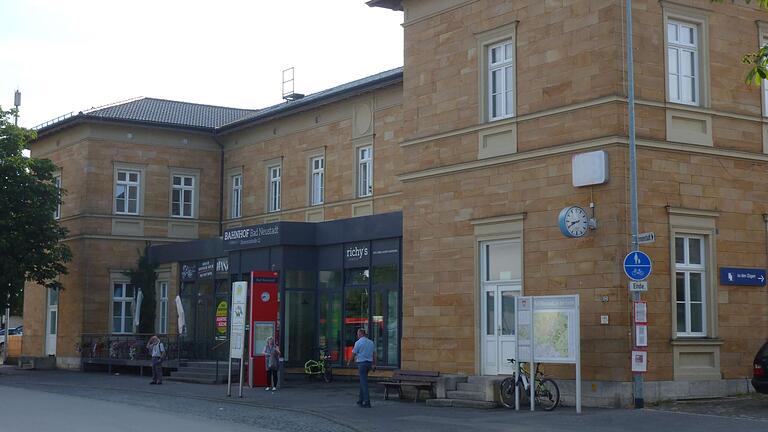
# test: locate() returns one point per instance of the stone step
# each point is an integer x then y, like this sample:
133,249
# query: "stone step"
191,380
465,395
469,387
461,403
483,380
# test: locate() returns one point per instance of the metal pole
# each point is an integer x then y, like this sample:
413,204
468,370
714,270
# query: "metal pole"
638,378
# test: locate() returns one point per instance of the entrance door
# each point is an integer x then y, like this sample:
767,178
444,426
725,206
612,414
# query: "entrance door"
499,328
501,282
52,322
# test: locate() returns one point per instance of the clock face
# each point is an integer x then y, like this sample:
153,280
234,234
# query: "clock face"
573,221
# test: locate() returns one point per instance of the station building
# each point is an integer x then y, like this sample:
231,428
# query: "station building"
451,173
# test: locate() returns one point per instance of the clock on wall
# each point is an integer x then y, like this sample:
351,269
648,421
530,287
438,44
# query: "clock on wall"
574,222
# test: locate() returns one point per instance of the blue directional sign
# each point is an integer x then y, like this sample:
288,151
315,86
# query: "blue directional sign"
742,276
637,265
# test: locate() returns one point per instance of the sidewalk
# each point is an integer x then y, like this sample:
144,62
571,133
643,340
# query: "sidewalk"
319,406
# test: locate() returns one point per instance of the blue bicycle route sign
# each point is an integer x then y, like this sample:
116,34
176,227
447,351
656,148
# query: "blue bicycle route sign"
637,265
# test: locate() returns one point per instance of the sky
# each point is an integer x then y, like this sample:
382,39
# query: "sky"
73,55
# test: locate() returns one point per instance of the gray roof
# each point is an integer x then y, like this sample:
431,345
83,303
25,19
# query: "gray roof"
161,112
327,96
169,112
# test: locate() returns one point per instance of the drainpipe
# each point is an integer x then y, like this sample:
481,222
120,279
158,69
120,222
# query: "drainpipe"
221,185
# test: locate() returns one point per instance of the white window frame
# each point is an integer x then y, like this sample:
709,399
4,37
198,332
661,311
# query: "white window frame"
129,185
57,183
182,188
698,19
364,171
687,268
274,184
126,307
676,49
236,197
162,316
506,68
317,180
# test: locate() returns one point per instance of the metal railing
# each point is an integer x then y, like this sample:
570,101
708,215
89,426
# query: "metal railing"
125,347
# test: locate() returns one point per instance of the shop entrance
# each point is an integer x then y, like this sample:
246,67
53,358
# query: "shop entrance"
201,300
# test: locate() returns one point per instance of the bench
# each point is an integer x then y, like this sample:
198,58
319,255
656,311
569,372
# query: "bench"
419,380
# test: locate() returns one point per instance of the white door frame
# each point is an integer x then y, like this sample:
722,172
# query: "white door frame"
497,343
51,321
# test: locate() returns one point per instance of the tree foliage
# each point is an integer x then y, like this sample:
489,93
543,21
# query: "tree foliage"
758,59
144,278
30,237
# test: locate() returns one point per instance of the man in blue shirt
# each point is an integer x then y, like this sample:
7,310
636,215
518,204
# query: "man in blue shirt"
364,352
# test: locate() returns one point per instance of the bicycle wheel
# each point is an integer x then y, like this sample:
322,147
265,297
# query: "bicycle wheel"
507,392
328,374
547,394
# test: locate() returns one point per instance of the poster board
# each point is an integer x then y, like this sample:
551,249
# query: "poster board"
555,335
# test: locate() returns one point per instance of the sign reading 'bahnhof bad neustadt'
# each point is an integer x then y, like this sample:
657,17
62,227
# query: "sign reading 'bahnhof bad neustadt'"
261,235
742,276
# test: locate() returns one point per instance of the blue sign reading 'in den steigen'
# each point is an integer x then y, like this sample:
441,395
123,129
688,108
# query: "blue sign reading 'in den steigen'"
742,276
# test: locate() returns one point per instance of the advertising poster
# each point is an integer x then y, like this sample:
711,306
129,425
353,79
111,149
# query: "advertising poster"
641,313
641,335
222,311
639,361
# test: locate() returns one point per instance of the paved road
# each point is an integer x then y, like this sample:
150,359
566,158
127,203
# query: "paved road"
122,402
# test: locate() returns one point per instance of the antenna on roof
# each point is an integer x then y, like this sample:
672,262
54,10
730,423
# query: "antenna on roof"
17,104
288,79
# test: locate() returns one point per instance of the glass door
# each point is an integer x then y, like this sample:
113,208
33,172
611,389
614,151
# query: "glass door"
501,282
52,322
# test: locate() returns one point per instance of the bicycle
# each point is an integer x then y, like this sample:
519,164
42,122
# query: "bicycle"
546,391
322,366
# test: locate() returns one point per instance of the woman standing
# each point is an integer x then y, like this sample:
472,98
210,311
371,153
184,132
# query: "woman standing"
271,354
157,351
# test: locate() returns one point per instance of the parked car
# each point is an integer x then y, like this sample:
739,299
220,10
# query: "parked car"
760,371
13,331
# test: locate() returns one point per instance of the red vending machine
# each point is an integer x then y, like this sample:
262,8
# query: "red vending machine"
265,322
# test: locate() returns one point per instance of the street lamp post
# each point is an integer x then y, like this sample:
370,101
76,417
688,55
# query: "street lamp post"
638,377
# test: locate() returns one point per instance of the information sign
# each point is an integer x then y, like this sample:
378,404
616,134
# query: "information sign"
237,331
637,265
742,276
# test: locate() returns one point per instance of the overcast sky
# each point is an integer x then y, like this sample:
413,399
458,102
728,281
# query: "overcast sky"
71,55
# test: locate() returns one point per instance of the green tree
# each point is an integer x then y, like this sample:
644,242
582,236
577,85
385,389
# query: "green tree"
759,59
30,237
144,278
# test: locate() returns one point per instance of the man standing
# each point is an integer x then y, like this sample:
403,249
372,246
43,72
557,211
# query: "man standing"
364,353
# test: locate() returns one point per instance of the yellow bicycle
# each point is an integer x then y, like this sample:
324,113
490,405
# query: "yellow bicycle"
322,366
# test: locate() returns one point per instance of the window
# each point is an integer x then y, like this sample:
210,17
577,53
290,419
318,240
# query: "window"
318,180
365,171
127,192
500,80
763,27
163,315
274,189
122,302
690,285
57,183
182,195
683,62
237,196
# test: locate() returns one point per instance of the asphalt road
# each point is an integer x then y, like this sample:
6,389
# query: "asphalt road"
43,401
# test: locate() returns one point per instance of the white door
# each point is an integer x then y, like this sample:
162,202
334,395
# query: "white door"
499,328
52,322
500,274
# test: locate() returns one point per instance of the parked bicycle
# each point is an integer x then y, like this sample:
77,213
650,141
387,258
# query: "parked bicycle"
546,392
322,366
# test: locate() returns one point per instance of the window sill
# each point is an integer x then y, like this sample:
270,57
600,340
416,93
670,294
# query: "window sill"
698,341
